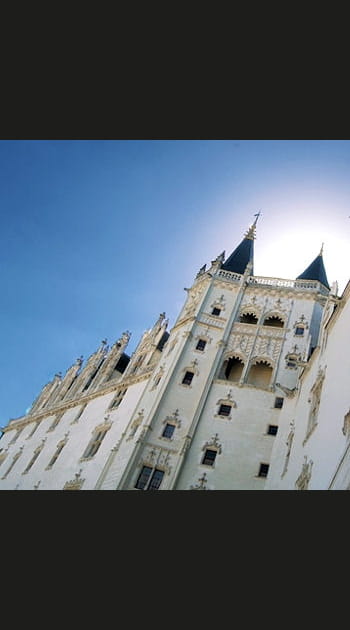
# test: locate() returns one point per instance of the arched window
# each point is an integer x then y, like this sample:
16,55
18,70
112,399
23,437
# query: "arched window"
274,320
260,374
232,369
248,318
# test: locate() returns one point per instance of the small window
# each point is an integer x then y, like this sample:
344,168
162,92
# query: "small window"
299,331
224,410
209,457
272,429
201,344
216,311
187,379
291,363
278,402
264,469
168,430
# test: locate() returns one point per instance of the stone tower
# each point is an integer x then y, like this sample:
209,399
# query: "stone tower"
210,412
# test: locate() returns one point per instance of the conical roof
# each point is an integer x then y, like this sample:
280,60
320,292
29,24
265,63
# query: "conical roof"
243,254
315,271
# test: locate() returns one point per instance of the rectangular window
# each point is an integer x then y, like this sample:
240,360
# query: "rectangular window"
272,429
168,430
224,410
156,480
201,344
187,379
299,330
278,402
143,477
264,469
209,457
216,311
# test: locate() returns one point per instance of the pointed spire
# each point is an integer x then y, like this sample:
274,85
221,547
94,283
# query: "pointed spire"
244,252
251,232
316,270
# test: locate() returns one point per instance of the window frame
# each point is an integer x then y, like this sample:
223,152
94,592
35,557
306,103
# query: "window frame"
201,341
168,424
183,382
209,461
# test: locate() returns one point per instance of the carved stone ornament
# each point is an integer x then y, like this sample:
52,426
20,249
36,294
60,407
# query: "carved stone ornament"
301,322
213,442
157,457
304,478
346,425
174,418
74,484
201,485
135,424
219,303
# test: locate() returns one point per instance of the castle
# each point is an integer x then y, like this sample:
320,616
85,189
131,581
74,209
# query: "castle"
244,392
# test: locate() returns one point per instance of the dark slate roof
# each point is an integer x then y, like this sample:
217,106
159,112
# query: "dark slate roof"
315,271
240,257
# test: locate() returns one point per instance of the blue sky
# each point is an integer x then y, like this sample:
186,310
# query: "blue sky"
99,237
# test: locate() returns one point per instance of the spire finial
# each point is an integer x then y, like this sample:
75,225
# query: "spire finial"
251,232
321,250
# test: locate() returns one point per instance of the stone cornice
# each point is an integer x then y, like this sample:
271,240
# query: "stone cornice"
63,406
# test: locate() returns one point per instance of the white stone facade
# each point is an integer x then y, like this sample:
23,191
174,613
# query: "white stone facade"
245,392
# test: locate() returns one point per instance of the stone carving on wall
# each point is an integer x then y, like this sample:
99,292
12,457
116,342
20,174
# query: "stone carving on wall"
346,425
193,298
135,424
157,456
303,480
243,343
213,442
74,484
174,418
202,483
314,400
301,322
289,443
293,357
219,303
